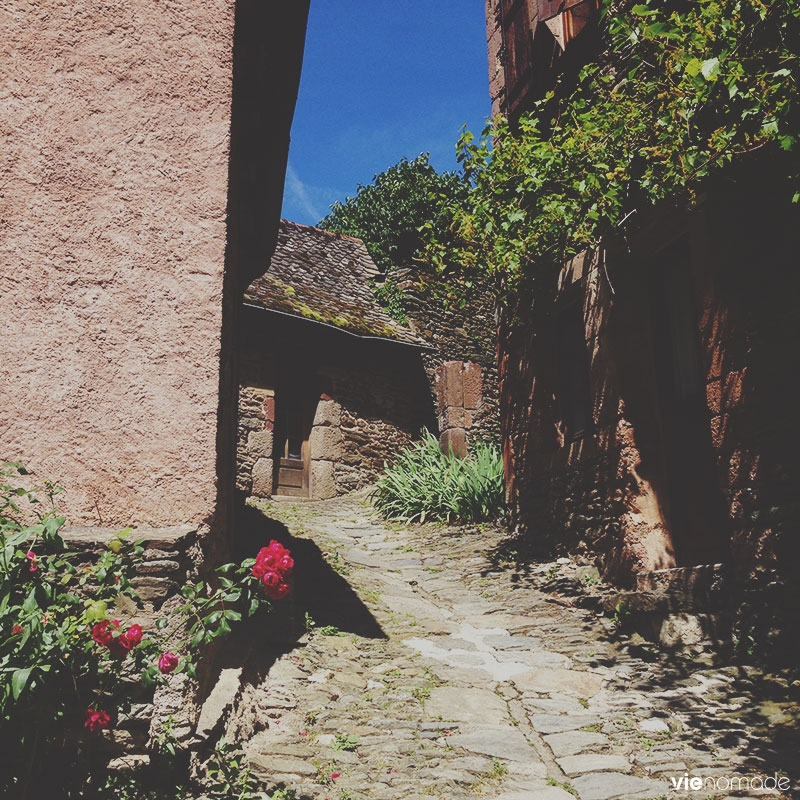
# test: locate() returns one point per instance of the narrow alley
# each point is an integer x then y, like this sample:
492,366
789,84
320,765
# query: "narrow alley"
425,674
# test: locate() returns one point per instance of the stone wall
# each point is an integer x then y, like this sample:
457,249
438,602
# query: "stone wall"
255,463
459,404
365,418
370,399
172,556
464,335
611,491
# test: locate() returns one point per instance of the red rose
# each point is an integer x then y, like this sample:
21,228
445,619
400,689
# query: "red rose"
96,720
285,564
133,636
260,567
101,633
270,579
279,591
119,647
168,662
265,560
16,630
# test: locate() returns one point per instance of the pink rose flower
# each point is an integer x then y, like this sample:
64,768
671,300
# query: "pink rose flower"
168,662
133,635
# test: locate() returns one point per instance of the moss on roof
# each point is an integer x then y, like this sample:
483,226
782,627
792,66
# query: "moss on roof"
323,277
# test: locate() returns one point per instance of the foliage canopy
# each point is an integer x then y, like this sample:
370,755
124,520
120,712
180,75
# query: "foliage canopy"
678,96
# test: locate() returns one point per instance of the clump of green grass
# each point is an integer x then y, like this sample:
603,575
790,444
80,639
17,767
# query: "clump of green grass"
426,484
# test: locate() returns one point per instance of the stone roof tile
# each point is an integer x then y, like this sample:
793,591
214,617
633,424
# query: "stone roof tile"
322,276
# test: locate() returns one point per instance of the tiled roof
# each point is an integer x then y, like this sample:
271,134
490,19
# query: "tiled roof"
322,276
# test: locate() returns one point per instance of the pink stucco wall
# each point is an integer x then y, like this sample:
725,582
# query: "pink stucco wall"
115,121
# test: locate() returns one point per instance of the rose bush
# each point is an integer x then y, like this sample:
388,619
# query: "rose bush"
68,669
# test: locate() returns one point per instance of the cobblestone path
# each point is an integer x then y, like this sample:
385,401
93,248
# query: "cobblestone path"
432,674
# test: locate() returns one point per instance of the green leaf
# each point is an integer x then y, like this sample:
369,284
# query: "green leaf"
212,618
30,601
693,67
19,680
254,605
710,68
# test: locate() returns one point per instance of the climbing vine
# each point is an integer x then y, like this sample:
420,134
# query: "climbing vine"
682,92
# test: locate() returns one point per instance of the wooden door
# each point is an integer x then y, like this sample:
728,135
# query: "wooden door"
294,461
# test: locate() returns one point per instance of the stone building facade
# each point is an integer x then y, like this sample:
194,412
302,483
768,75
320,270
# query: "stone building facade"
142,178
646,399
146,153
314,338
331,386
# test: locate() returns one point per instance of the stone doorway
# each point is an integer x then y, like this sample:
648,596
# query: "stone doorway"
296,407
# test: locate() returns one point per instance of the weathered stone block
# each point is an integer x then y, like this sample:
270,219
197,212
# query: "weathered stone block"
472,384
259,444
733,393
269,408
178,537
454,439
452,417
329,412
154,590
325,443
262,477
686,630
323,482
159,568
714,396
452,385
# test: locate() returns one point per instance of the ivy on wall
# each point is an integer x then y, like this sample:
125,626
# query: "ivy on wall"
681,93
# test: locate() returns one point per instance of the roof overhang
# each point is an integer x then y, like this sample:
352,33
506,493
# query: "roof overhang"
363,336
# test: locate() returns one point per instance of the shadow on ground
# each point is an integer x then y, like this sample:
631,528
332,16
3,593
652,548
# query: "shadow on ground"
754,714
319,590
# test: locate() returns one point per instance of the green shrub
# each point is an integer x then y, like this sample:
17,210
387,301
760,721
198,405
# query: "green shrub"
424,483
68,670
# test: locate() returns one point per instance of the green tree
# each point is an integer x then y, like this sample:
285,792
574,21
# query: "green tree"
389,212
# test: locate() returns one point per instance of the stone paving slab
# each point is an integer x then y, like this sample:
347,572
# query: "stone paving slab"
502,741
462,704
593,762
610,785
572,742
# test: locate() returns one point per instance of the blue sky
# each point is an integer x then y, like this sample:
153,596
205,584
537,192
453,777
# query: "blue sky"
382,79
